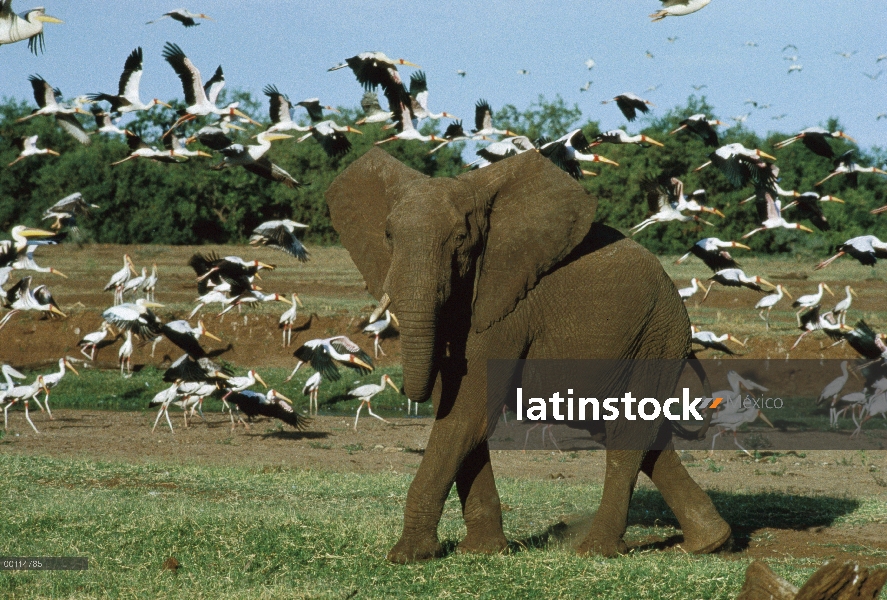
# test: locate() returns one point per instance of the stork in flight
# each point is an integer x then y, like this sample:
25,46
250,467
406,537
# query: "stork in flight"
678,8
127,98
183,16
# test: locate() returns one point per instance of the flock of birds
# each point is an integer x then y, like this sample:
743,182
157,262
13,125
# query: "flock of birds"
228,281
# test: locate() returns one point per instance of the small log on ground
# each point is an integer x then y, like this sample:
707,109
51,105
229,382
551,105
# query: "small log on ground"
834,581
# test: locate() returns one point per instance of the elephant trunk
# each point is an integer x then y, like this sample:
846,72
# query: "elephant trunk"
418,325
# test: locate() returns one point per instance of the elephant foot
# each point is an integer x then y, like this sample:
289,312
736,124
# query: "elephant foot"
707,540
483,544
593,545
409,550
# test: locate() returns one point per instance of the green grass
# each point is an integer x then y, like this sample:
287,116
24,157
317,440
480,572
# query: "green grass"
283,531
108,390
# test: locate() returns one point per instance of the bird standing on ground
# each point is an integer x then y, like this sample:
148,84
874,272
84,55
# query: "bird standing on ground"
687,292
709,340
365,394
288,319
768,302
841,308
377,328
118,280
810,300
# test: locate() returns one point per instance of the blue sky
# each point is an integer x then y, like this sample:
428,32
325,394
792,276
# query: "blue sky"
292,44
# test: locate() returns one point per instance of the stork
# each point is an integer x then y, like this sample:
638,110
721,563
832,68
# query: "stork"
662,199
709,340
331,137
127,99
120,278
630,104
841,308
844,165
815,139
365,394
678,8
47,99
618,136
702,126
27,146
810,300
710,251
22,393
738,278
52,380
92,340
377,328
312,389
867,249
831,391
280,235
253,160
183,16
288,319
768,302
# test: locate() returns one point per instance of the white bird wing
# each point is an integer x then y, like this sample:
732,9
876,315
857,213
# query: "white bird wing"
71,125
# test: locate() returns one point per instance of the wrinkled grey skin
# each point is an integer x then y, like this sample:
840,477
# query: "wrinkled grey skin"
505,262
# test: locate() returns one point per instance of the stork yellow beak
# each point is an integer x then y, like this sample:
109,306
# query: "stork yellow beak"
57,272
852,291
282,397
832,199
153,305
765,155
606,160
407,63
260,380
785,291
267,266
733,339
56,311
650,140
353,130
765,419
361,363
208,334
204,154
391,383
271,137
393,318
70,366
299,301
824,285
29,232
287,300
738,245
845,136
48,19
713,211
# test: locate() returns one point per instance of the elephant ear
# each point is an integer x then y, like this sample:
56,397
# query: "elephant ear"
537,214
360,199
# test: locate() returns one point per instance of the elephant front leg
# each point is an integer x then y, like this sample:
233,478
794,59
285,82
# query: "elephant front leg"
481,507
448,445
610,521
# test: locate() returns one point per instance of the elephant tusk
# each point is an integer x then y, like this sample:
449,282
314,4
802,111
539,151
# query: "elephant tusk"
384,303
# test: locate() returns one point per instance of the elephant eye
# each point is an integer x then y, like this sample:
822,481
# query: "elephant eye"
460,238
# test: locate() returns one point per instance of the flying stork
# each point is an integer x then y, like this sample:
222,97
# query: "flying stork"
568,151
183,16
678,8
253,160
815,139
483,121
663,195
139,149
47,99
280,235
372,110
323,354
867,249
21,297
331,137
618,136
812,320
770,214
200,101
687,292
272,404
844,165
738,278
127,98
629,104
66,209
710,251
740,165
808,204
27,25
419,99
28,147
92,340
709,340
702,126
500,150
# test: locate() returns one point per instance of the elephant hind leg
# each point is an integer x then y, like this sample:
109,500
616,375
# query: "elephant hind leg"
610,520
481,507
704,529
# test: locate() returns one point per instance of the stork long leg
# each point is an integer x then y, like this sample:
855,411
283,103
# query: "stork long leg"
713,438
7,317
157,420
46,402
527,437
370,410
31,423
736,441
5,409
551,436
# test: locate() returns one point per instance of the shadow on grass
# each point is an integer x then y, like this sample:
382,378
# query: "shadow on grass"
293,435
746,513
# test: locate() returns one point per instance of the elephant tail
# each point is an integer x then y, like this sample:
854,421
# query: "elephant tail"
697,434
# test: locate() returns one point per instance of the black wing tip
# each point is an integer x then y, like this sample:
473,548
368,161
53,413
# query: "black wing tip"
172,51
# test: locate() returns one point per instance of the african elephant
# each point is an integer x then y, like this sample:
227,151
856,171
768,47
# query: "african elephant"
505,262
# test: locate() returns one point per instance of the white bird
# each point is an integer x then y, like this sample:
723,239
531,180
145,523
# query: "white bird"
27,25
372,110
618,136
288,319
26,262
8,373
707,339
853,401
678,8
687,292
841,308
28,147
252,159
772,209
589,64
831,391
844,165
120,278
104,123
280,235
365,394
164,399
729,420
569,150
25,298
739,164
876,405
234,385
483,121
312,389
65,210
134,284
711,251
419,97
200,102
768,302
124,355
127,99
252,297
813,321
22,393
52,380
663,199
867,249
216,296
139,149
150,285
92,340
732,398
47,99
501,150
183,16
323,354
810,300
406,126
629,104
794,68
377,328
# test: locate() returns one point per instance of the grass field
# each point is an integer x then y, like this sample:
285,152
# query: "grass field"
292,533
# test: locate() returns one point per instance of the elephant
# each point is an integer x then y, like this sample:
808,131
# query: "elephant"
507,262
